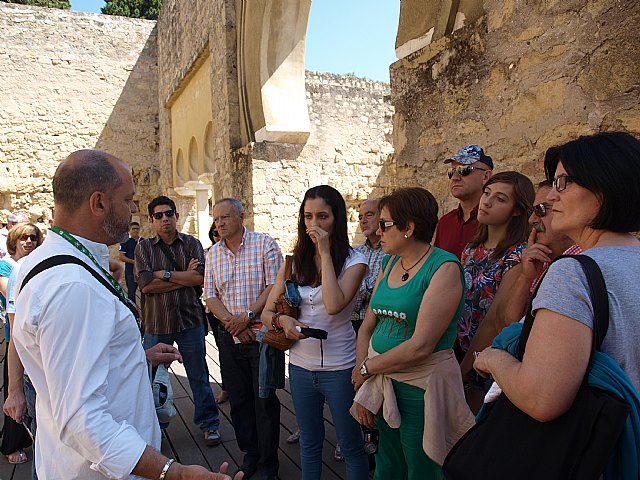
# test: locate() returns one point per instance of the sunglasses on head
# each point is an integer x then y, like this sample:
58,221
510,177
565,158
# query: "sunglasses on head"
463,170
166,213
385,224
29,236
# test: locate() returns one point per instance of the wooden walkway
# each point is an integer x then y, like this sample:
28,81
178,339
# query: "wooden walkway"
185,442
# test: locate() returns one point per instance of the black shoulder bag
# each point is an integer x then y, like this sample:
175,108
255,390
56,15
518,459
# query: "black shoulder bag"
56,260
507,443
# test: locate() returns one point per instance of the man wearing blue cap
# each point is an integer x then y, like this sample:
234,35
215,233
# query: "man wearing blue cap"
470,169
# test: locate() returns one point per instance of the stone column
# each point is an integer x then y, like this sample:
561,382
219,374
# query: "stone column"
202,192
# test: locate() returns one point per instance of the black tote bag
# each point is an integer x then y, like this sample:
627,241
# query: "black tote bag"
507,443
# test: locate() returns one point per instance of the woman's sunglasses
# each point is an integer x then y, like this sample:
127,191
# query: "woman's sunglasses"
463,170
33,237
385,224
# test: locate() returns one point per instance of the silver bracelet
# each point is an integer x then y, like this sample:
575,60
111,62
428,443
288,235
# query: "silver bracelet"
165,469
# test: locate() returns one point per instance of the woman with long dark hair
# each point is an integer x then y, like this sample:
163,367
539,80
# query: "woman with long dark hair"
328,273
503,215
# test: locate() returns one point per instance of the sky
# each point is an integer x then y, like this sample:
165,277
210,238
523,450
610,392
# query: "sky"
343,36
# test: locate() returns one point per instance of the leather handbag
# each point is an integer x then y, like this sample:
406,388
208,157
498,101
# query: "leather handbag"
507,443
284,305
277,340
288,301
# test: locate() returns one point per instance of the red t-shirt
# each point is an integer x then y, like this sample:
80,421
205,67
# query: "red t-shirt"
453,233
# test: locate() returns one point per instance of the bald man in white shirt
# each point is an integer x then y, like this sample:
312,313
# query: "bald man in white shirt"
79,341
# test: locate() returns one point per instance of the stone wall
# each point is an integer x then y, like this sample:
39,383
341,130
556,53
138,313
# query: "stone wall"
74,80
71,81
349,149
190,32
525,76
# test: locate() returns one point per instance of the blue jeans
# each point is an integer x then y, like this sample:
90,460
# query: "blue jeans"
191,345
309,391
132,286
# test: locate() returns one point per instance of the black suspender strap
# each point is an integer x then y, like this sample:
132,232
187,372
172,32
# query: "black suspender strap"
599,301
56,260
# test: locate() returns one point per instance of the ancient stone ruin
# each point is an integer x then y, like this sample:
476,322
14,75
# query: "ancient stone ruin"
213,100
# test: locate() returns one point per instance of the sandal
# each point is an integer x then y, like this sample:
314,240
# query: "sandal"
17,457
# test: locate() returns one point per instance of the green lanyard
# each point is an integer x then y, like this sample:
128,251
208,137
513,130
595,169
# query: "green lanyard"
73,241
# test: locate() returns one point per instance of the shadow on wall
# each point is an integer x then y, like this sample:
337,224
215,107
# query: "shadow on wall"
131,132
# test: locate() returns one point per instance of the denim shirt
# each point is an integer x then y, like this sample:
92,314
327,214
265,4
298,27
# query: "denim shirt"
271,367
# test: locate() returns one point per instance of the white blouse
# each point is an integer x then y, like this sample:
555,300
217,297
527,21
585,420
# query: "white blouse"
338,351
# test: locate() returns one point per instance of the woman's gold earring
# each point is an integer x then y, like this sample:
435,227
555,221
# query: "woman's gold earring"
406,236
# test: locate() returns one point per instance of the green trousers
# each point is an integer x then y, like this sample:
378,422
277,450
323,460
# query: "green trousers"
400,455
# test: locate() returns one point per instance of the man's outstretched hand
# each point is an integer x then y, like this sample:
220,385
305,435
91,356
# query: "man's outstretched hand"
163,353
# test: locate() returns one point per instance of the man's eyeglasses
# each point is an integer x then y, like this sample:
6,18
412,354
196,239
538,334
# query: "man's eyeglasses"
560,182
33,237
166,213
463,170
540,210
385,224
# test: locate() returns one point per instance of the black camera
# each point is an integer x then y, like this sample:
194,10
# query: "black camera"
370,441
313,332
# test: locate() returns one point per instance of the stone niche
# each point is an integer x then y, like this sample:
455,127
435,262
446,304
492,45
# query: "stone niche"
523,76
193,165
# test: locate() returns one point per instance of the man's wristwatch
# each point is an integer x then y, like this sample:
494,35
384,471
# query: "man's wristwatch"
363,369
166,276
251,315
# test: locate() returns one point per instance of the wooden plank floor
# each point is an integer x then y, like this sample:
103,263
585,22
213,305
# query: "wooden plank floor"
184,441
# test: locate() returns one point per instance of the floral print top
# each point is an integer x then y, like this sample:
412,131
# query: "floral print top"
482,278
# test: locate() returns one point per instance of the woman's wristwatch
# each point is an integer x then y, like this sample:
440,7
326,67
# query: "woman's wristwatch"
363,369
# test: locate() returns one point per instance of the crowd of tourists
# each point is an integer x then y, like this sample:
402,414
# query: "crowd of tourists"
454,346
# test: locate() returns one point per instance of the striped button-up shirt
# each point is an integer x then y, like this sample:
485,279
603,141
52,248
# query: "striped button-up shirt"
174,311
237,280
374,260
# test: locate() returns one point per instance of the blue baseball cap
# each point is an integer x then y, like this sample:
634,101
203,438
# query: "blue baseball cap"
469,155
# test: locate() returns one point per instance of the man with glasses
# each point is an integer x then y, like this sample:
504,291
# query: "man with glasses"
240,272
470,169
369,217
169,270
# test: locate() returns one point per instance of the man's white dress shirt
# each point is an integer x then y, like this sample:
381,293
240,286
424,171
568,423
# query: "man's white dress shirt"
81,348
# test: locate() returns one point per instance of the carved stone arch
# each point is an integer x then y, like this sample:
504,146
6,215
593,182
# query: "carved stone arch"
209,165
193,167
271,47
179,170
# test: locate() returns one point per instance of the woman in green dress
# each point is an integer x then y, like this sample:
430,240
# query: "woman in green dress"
408,335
